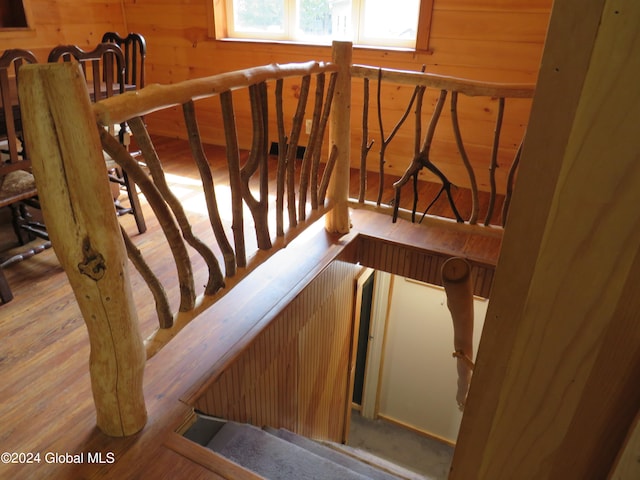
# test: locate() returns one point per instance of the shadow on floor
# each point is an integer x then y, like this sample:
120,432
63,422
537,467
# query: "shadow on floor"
408,449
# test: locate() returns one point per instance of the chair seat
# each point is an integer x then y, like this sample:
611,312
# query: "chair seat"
17,185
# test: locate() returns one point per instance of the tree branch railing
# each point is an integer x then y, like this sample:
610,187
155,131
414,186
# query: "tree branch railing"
173,220
67,149
422,157
60,123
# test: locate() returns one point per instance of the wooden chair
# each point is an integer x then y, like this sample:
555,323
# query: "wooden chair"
134,47
104,71
17,185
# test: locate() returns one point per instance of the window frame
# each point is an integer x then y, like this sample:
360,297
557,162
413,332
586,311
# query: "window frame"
21,30
217,16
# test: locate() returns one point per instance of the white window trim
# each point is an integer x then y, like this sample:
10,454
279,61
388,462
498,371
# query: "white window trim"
218,28
290,22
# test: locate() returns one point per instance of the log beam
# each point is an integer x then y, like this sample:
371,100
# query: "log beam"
78,210
337,220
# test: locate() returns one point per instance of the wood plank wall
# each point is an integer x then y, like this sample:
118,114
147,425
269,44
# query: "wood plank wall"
79,22
489,40
295,374
417,264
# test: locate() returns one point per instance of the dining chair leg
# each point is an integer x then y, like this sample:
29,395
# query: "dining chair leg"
20,217
5,291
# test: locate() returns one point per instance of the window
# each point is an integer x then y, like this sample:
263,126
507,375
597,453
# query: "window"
12,14
365,22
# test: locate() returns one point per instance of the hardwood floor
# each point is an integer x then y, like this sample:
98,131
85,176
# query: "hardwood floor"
47,406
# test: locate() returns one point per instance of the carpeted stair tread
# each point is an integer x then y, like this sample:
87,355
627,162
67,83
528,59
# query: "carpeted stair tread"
273,457
335,456
381,463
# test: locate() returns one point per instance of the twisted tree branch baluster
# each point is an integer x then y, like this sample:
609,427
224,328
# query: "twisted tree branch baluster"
422,161
394,131
208,188
365,147
166,219
510,180
235,182
473,219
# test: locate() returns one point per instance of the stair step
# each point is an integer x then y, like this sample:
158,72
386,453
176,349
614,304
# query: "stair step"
273,457
376,461
367,469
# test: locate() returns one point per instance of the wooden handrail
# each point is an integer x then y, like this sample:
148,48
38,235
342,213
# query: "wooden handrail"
468,87
157,97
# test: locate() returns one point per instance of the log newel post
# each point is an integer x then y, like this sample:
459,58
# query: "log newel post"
456,279
68,165
337,219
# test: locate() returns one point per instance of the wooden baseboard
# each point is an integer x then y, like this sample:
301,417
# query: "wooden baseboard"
415,429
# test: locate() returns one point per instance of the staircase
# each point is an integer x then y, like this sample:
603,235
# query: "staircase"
278,454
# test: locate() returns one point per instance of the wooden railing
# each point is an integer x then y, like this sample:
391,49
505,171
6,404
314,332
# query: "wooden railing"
68,163
93,248
422,156
175,224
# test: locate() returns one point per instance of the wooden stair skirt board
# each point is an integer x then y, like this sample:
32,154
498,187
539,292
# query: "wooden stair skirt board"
278,454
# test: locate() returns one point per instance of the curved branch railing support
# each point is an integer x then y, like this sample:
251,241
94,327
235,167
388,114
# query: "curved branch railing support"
456,86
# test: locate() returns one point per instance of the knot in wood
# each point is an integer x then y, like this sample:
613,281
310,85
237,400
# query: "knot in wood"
93,265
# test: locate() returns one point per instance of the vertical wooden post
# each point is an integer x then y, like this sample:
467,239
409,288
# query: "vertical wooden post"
555,386
456,279
337,220
69,168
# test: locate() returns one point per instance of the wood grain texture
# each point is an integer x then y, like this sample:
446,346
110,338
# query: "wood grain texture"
560,340
78,210
488,40
294,375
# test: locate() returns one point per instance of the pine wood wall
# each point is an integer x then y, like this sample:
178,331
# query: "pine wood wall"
295,374
488,40
56,22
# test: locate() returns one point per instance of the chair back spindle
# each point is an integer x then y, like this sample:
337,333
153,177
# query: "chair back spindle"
134,48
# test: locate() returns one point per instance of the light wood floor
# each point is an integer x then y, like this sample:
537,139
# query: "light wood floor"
46,406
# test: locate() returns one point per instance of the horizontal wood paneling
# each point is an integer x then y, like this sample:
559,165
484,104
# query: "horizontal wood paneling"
294,375
488,40
77,22
419,264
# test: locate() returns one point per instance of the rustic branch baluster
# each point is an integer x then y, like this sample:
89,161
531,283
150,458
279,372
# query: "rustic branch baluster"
154,197
326,175
200,158
494,161
257,161
317,151
292,148
422,161
216,280
386,141
416,147
235,181
163,309
312,145
510,180
366,144
473,218
282,161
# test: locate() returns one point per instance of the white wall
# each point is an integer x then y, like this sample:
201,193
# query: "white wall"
419,378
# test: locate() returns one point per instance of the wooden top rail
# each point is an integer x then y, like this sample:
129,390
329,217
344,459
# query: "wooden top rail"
443,82
156,97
